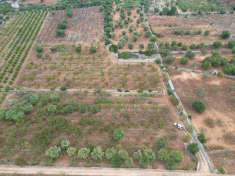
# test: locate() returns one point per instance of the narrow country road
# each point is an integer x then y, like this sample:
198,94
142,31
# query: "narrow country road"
81,171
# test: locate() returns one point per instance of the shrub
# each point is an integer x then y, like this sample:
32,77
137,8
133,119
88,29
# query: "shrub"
198,106
189,54
130,46
109,153
97,153
84,153
120,158
70,107
26,108
193,148
225,34
52,109
113,48
33,99
229,69
141,46
168,59
206,64
39,51
231,44
55,98
53,152
71,151
184,60
221,170
62,25
14,114
93,49
202,138
217,45
233,50
161,143
206,33
64,144
2,114
145,157
69,12
78,48
118,134
60,32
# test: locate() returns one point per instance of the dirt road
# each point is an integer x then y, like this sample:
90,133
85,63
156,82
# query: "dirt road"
81,171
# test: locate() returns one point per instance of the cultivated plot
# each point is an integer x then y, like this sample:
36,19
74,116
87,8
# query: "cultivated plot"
193,29
66,67
89,125
84,26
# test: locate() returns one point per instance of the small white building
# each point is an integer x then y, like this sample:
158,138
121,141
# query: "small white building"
15,4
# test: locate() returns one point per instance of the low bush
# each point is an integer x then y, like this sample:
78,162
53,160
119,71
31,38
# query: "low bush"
172,158
225,35
64,144
193,148
84,153
53,152
118,134
69,11
198,106
160,144
217,45
71,151
97,153
78,49
93,49
231,44
184,60
202,138
189,54
145,157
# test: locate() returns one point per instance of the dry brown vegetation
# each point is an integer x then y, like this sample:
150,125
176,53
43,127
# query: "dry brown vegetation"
85,26
218,120
165,26
85,70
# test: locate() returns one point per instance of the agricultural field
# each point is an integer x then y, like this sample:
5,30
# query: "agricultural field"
66,67
46,2
217,121
190,30
83,25
129,32
16,39
90,128
199,5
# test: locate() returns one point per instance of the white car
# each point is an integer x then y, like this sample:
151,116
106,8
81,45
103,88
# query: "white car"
179,126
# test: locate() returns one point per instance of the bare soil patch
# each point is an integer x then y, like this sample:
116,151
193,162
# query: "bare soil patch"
217,121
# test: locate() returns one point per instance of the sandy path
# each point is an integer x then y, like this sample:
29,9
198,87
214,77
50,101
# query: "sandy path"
81,171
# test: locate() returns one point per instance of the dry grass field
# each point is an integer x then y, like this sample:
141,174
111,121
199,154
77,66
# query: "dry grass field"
166,26
85,70
85,26
218,120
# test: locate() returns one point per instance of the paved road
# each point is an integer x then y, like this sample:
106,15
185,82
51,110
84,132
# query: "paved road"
81,171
